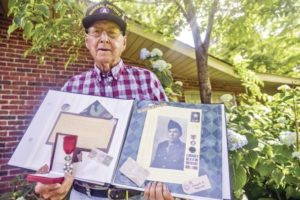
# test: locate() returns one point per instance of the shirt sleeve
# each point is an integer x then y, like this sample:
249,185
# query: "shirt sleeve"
157,89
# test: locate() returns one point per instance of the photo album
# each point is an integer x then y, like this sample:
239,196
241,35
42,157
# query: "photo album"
127,143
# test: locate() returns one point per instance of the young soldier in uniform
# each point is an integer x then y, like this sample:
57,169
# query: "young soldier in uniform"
170,153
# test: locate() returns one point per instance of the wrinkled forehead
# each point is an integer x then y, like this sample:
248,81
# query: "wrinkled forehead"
105,24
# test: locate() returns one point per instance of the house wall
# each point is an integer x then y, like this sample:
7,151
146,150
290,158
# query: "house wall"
191,90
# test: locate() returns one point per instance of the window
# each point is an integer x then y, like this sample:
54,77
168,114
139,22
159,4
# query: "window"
193,96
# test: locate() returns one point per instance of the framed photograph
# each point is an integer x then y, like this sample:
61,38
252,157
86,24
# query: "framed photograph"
169,131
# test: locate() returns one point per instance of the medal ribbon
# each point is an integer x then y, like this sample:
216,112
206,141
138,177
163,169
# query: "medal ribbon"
69,143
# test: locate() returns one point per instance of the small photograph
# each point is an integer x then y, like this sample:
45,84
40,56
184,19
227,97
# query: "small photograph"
169,143
195,117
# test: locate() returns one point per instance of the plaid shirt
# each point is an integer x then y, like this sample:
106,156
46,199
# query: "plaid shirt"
124,82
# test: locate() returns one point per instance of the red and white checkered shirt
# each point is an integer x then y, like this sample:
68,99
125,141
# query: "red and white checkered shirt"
125,82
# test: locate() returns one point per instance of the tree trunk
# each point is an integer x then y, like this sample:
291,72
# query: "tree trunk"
202,68
201,52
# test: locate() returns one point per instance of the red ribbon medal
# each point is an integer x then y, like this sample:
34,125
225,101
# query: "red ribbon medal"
69,147
69,143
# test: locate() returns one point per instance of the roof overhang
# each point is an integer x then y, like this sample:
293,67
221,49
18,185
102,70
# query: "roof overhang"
182,58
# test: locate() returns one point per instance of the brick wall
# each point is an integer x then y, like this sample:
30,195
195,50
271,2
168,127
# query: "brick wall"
23,84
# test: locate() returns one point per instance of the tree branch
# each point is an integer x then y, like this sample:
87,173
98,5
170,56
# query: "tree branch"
192,19
182,9
210,23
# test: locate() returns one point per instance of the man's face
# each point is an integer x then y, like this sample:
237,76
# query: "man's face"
173,134
105,43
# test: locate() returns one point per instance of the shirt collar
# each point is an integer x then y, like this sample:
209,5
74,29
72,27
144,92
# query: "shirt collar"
115,72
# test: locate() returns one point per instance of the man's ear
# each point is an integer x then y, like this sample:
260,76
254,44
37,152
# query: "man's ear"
124,42
87,43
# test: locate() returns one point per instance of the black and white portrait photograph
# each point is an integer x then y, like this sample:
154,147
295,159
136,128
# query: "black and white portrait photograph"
169,143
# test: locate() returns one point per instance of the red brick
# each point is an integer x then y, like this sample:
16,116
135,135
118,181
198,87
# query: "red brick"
6,150
6,92
3,123
10,107
17,112
8,138
25,97
13,78
3,102
4,184
15,122
29,117
3,112
15,171
17,102
8,128
11,87
7,178
11,144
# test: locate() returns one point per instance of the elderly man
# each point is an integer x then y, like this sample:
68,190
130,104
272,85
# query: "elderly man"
105,39
170,153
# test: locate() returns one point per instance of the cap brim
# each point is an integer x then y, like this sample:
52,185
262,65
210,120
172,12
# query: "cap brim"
90,20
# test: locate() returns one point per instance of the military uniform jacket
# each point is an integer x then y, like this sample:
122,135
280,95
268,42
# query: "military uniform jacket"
169,156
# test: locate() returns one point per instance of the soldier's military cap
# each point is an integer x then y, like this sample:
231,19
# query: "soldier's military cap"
173,124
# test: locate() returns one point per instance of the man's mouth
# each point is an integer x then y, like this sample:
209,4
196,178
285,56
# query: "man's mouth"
103,49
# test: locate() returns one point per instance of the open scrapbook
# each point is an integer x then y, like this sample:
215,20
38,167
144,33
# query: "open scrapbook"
128,143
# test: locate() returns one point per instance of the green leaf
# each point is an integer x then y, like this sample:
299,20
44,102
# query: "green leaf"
289,179
265,167
292,192
252,141
277,176
27,29
11,29
11,3
296,171
281,159
251,159
239,177
166,78
44,9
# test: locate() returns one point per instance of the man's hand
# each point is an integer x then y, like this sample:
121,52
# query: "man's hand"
55,191
157,191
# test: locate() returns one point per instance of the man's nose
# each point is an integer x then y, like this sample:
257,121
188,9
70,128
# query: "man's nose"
104,37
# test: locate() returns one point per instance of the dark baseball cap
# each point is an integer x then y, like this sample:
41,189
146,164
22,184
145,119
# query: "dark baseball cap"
104,11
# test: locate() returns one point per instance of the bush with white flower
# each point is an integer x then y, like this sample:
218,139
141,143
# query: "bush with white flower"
265,156
288,138
162,69
235,140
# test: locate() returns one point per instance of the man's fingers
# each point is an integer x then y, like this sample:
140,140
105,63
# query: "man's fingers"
41,188
159,191
152,191
55,191
147,191
166,193
60,192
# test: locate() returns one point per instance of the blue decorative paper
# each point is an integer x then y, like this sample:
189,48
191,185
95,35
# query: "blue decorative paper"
210,153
